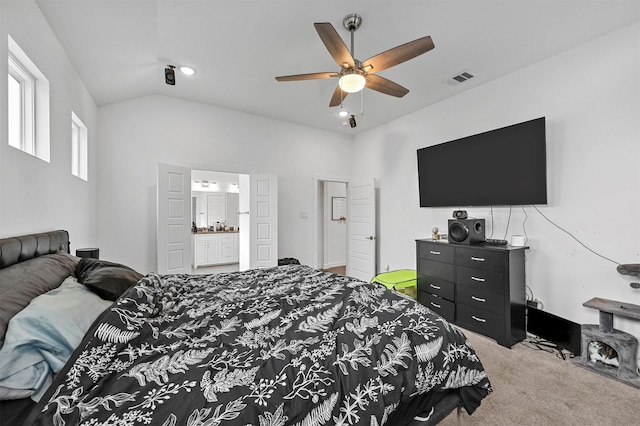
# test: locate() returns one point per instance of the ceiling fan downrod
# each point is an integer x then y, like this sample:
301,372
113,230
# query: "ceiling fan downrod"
352,22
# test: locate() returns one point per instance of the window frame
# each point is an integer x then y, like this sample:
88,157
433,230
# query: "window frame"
30,133
27,82
79,148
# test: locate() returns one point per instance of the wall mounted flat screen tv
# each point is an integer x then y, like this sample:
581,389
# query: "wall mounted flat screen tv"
506,166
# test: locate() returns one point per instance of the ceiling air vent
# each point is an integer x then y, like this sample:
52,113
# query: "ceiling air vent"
459,78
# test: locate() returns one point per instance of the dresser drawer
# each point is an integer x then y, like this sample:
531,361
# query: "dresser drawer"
480,278
480,321
442,307
481,259
440,252
440,288
480,299
438,270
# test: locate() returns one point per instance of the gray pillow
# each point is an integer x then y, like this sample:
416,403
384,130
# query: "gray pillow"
22,282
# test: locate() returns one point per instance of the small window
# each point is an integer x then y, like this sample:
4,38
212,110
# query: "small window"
21,102
28,105
79,154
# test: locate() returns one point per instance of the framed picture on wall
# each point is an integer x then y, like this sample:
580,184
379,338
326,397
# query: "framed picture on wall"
338,208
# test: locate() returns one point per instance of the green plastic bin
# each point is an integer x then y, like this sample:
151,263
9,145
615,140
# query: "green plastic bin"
402,280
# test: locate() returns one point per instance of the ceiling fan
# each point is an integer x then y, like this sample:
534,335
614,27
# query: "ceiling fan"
355,75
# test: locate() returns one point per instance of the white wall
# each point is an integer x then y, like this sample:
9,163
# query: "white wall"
590,96
36,195
137,135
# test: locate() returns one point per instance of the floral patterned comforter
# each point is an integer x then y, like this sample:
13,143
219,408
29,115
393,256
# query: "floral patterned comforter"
283,346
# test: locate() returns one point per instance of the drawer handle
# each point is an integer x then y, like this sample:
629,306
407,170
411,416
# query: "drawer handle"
434,252
435,286
478,299
478,279
478,319
477,259
435,305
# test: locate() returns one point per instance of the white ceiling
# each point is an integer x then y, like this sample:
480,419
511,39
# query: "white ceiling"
121,47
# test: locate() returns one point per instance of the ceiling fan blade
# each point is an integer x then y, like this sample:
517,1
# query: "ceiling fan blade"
334,44
338,97
398,55
311,76
388,87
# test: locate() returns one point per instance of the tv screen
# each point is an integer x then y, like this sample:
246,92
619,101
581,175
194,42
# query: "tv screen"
564,333
506,166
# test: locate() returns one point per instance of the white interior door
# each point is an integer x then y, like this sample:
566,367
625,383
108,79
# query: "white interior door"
173,231
244,222
362,237
263,213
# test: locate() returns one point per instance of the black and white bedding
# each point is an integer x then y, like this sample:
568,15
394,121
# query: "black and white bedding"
282,346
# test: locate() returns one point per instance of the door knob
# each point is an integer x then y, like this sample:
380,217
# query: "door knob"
371,237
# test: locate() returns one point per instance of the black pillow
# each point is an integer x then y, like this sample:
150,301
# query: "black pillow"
106,279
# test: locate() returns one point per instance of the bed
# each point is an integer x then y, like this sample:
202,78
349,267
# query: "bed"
288,345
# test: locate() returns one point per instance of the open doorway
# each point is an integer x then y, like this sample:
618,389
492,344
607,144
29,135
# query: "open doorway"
360,225
258,221
215,221
332,230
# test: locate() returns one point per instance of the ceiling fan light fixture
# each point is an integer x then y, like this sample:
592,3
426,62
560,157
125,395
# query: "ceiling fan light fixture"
352,82
343,113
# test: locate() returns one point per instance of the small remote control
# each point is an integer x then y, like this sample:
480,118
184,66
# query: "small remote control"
496,242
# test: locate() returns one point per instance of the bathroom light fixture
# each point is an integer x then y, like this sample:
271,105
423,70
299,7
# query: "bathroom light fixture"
352,81
187,70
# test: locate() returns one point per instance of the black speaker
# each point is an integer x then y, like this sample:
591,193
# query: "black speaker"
466,231
170,76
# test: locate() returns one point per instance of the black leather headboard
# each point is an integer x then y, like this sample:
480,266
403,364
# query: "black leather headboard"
18,249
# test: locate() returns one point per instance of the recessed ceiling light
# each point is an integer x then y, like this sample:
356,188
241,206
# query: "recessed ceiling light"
187,70
343,113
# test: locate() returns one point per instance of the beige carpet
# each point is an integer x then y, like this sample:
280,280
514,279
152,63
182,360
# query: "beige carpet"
533,387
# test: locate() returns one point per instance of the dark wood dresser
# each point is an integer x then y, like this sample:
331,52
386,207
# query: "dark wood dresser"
479,287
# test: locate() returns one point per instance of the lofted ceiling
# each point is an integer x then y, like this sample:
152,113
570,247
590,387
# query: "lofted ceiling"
121,47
